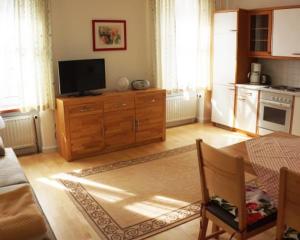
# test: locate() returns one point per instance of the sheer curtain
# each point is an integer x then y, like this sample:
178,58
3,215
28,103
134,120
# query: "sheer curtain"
26,77
183,43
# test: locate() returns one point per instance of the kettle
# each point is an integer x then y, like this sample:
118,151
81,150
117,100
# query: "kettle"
265,79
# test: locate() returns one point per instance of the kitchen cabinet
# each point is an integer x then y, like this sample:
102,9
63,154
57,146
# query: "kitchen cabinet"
225,48
260,33
223,105
296,117
286,33
246,110
230,63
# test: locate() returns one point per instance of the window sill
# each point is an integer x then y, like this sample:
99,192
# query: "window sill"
9,111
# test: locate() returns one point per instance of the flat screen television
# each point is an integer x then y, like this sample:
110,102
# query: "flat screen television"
79,77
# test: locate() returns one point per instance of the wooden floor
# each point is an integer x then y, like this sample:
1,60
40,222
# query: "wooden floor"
69,224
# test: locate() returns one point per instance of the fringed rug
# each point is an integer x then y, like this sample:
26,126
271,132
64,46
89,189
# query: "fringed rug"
138,198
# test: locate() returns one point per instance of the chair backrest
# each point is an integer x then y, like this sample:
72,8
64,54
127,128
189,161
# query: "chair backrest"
288,202
222,175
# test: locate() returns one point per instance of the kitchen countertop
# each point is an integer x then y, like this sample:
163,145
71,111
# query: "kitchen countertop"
263,88
251,86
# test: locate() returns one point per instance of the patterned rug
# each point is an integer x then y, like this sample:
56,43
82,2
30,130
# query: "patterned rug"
138,198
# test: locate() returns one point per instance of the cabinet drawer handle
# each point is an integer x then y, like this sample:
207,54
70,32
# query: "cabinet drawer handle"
85,109
242,99
233,30
137,125
124,104
249,94
153,100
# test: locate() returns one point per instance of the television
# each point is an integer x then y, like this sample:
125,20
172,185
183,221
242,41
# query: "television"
79,77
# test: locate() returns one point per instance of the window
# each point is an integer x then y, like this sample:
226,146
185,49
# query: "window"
183,40
25,55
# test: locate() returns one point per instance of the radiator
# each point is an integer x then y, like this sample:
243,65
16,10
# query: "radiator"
20,133
181,109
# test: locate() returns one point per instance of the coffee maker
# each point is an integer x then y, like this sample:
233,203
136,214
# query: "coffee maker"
255,74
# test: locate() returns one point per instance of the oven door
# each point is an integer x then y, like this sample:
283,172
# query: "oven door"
275,116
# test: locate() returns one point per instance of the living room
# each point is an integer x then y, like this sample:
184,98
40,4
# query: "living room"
115,122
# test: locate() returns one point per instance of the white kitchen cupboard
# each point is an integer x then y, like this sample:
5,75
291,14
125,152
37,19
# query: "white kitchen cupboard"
296,117
246,110
286,33
224,68
225,48
223,105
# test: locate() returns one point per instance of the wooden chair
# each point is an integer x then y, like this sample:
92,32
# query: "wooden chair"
288,204
223,176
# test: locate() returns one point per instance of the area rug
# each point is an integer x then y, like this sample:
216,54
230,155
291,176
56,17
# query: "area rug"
138,198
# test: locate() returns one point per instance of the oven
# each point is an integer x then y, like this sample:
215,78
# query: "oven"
275,112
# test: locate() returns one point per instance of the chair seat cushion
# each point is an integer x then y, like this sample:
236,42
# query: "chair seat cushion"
260,209
291,234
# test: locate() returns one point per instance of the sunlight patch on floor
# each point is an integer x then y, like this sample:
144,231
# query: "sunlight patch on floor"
170,201
87,182
52,183
106,197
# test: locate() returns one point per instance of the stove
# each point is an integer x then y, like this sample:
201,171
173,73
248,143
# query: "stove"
284,88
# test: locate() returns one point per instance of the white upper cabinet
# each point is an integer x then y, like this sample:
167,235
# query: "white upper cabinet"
225,48
286,33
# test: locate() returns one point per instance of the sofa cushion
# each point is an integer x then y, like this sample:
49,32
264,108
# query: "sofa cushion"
260,207
49,235
2,150
10,170
291,234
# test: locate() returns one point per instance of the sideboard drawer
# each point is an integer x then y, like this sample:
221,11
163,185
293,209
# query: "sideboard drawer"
112,104
86,145
85,108
149,99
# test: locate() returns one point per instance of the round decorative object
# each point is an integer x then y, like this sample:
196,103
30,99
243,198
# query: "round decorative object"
122,84
140,84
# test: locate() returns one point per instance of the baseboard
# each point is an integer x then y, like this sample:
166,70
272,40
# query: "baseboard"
180,122
203,120
49,149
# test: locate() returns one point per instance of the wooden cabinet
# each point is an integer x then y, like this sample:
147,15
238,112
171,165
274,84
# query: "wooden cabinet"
246,110
260,33
149,121
286,33
90,125
296,117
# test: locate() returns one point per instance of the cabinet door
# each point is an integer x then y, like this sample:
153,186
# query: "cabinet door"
246,110
150,116
119,128
86,133
223,105
286,33
225,48
296,118
260,33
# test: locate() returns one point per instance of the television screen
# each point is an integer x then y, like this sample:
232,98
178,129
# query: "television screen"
80,76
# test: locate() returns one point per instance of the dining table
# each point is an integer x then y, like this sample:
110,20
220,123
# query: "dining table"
265,155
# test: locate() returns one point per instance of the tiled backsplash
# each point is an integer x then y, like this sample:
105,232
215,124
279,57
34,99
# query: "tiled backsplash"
282,72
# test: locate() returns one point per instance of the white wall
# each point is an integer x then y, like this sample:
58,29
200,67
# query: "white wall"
250,4
72,35
72,39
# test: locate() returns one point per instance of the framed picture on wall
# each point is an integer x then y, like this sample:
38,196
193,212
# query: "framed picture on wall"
109,35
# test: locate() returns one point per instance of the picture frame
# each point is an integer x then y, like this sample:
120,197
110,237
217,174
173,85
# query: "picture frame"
109,35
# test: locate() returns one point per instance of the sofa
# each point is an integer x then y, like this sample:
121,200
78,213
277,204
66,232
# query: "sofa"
13,178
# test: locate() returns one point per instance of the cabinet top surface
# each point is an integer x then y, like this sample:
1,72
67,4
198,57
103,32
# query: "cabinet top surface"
108,94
